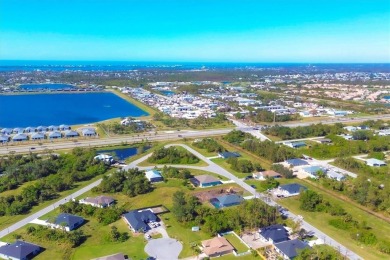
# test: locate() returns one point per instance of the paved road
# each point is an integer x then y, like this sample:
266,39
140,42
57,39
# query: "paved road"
215,168
70,144
169,135
46,210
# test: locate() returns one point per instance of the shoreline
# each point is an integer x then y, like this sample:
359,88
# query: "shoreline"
147,111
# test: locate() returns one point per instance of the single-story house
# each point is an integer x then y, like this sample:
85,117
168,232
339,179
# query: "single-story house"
6,131
363,127
226,200
289,190
298,144
266,174
118,256
4,138
104,157
19,250
64,127
324,141
154,175
296,162
19,137
88,132
274,234
313,170
137,220
67,222
41,128
99,201
18,130
205,181
70,133
347,137
52,128
375,162
350,128
335,175
29,129
54,135
217,246
37,136
290,248
227,155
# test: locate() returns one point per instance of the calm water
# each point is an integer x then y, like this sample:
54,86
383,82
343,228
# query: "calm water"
46,86
54,109
386,97
120,154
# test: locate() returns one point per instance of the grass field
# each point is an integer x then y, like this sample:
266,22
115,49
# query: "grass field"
320,220
236,243
266,164
6,221
181,149
94,246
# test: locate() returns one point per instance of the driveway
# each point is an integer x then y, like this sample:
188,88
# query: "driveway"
164,248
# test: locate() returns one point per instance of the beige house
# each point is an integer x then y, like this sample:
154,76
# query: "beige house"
217,246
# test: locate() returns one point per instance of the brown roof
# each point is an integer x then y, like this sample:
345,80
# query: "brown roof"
269,173
206,178
216,245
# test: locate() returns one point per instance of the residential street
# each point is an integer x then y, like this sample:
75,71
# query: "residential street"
215,168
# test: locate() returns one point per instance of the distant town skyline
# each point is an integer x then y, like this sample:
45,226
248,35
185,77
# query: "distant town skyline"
191,31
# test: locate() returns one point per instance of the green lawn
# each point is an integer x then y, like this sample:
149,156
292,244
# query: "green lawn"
182,149
6,221
320,220
222,162
236,243
266,164
97,243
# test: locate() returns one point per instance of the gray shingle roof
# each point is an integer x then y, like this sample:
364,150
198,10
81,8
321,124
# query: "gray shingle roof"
69,219
138,219
19,249
290,247
292,188
275,232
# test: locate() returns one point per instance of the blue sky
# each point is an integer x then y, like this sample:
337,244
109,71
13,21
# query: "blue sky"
196,30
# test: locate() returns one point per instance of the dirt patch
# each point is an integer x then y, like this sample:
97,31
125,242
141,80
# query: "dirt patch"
205,196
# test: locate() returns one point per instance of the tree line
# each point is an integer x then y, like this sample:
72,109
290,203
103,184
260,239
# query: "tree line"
63,173
314,202
287,133
251,214
131,183
266,149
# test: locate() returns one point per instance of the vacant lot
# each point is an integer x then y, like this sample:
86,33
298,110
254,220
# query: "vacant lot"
321,219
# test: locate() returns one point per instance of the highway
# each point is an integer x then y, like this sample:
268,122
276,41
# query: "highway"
167,135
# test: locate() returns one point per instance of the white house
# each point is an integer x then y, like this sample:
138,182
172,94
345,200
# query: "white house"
375,162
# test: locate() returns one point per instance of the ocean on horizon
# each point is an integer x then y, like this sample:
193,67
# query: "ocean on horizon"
55,109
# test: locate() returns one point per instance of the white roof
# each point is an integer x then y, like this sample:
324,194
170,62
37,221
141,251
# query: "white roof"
375,161
152,174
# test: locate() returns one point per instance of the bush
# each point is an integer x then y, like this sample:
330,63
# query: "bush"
172,155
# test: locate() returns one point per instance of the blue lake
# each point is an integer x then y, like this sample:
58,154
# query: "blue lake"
386,97
120,154
55,109
46,86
